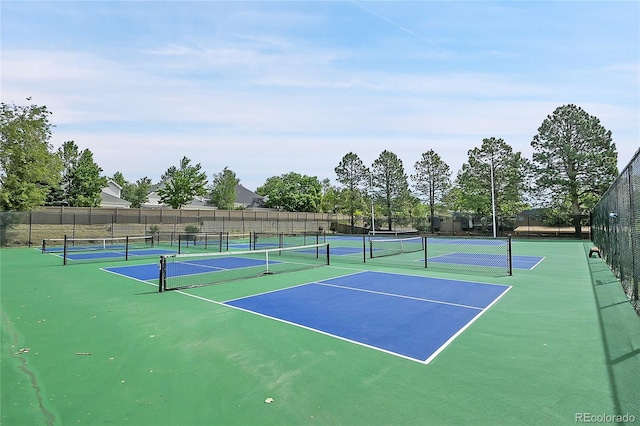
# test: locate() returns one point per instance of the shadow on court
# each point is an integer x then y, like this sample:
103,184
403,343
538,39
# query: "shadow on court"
620,331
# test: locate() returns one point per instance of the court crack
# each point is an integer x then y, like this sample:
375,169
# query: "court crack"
23,365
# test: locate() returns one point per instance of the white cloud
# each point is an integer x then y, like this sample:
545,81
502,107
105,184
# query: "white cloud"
266,98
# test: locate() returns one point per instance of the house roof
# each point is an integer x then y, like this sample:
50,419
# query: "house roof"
248,198
109,200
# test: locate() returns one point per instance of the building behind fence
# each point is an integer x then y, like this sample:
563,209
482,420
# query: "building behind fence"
616,229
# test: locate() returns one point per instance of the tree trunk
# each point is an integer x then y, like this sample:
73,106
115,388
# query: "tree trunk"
432,219
577,226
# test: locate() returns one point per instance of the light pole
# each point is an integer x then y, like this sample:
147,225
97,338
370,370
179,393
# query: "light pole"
373,220
493,198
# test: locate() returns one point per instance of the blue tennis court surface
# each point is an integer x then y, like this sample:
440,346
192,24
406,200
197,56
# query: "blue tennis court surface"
409,316
483,259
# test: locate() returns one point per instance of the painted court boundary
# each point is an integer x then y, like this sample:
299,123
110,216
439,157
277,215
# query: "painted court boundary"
450,333
437,324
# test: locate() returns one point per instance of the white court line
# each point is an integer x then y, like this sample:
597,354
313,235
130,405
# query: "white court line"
427,361
441,302
467,325
537,263
130,277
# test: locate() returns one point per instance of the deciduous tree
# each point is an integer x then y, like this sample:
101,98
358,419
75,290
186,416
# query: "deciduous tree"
223,189
81,182
292,192
136,193
29,167
180,185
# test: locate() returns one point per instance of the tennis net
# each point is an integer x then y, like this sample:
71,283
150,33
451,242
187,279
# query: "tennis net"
204,241
485,256
392,246
393,234
182,271
267,240
96,247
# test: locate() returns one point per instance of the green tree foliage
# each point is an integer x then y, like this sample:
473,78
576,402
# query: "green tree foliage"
118,178
181,185
81,182
354,176
575,161
292,192
223,189
331,197
136,193
510,172
390,185
432,180
28,165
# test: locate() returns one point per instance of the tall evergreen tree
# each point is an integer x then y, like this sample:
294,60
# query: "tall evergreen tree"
354,176
431,181
493,163
390,185
575,161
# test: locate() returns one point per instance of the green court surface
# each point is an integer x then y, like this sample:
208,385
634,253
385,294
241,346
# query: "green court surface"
84,346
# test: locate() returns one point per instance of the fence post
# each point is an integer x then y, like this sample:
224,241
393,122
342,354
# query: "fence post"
30,219
633,221
509,256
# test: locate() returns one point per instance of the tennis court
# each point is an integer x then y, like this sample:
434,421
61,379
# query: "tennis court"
409,316
355,342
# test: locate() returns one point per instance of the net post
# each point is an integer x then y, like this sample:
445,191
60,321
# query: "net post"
509,256
364,249
64,251
424,244
126,248
328,257
267,262
162,274
44,245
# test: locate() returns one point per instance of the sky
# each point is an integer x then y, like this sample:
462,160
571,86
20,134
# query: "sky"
267,87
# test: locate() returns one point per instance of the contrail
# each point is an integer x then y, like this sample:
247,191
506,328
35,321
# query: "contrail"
395,24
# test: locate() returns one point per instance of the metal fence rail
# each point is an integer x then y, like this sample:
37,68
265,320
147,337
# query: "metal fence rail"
616,229
31,227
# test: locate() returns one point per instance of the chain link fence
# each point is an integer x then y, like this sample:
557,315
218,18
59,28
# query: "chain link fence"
30,228
616,229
